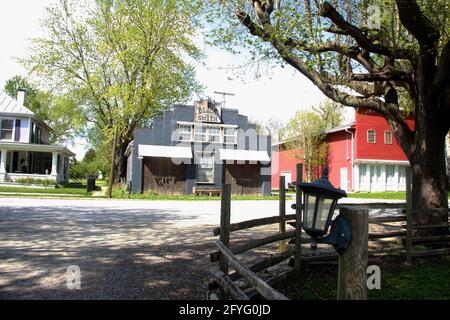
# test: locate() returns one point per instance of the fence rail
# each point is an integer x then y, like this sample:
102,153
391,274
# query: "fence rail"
223,283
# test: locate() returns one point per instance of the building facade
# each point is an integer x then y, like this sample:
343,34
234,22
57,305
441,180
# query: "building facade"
25,151
363,156
194,149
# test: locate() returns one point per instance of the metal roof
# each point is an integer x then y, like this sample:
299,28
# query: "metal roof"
244,155
340,128
11,106
164,152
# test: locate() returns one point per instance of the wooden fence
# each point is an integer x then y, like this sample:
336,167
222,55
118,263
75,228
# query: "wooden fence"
223,283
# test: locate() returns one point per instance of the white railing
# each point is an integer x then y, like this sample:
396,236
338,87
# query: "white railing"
15,176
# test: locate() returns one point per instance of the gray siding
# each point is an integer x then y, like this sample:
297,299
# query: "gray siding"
163,129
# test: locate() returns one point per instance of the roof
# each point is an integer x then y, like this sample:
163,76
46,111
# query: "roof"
243,155
340,128
11,106
164,152
20,146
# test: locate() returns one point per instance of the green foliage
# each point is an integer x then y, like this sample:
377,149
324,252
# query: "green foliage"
306,133
36,181
125,61
44,191
60,112
91,165
425,280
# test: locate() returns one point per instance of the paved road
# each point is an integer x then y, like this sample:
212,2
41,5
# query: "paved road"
125,249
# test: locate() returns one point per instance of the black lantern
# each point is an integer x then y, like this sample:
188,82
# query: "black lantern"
320,199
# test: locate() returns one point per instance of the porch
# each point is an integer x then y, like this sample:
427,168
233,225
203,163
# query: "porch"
24,161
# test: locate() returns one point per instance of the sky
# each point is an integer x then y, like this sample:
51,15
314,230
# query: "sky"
280,95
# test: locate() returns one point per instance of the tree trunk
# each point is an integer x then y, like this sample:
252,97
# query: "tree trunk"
120,173
429,178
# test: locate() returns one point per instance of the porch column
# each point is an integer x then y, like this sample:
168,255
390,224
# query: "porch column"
61,168
54,165
3,160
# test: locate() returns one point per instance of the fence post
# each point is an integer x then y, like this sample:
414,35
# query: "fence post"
298,219
409,221
352,268
282,205
225,217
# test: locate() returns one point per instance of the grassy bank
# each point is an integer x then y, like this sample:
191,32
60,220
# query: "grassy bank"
426,279
120,193
80,191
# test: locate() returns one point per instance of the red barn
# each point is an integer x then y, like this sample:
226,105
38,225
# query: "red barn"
363,156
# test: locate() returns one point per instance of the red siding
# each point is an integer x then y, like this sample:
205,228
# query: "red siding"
366,120
340,156
284,161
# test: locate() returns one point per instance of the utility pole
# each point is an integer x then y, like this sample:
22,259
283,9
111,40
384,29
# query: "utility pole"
224,94
113,160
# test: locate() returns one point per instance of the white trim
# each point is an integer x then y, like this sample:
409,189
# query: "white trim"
164,152
20,146
187,123
391,134
13,135
374,136
202,154
376,161
243,155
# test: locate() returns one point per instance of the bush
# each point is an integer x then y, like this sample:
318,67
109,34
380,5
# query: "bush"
36,181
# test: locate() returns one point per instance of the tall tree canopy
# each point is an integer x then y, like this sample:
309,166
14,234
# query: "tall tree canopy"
61,113
125,60
391,56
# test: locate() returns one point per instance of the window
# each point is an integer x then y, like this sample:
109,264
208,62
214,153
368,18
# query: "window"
390,174
401,175
213,134
185,133
205,168
388,137
363,174
371,136
200,134
230,135
7,129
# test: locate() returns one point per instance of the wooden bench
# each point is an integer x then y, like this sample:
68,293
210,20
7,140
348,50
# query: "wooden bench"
209,191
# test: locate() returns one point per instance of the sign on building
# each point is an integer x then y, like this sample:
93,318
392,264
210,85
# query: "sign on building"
208,111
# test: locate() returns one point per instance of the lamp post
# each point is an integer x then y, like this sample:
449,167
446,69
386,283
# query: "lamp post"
320,199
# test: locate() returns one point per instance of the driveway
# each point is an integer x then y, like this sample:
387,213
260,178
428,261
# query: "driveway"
124,249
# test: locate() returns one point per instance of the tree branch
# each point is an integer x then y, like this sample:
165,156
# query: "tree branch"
328,11
418,24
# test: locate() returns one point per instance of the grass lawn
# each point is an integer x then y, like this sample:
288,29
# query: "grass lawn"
425,279
119,193
70,189
379,195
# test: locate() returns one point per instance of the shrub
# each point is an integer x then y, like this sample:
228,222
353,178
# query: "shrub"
36,181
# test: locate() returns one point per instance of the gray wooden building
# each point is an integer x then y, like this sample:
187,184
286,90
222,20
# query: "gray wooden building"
194,149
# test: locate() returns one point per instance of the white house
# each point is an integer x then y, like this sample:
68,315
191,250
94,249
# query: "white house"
25,151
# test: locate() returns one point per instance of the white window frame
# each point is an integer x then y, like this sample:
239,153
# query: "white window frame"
180,132
209,135
199,155
13,129
204,134
229,135
386,135
374,136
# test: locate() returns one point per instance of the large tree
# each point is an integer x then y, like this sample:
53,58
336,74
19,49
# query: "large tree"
125,60
390,56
